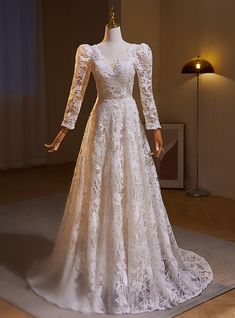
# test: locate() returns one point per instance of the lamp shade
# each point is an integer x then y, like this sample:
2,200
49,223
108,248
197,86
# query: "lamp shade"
197,65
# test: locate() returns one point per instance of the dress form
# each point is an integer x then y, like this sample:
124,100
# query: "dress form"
115,251
113,46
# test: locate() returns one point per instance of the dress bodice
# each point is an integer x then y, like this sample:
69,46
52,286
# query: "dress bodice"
113,81
116,80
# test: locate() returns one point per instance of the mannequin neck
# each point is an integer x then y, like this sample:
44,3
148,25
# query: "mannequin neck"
113,35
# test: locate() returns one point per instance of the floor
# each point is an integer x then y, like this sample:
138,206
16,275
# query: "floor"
211,215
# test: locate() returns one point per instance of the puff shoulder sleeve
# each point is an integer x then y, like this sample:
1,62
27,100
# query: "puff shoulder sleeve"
144,73
78,87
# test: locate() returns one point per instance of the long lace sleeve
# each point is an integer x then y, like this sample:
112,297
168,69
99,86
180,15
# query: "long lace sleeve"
78,87
144,73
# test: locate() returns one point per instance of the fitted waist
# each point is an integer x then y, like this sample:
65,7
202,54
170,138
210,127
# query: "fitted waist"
103,98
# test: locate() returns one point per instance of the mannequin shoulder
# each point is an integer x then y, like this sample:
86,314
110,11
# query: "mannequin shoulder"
144,53
84,49
143,49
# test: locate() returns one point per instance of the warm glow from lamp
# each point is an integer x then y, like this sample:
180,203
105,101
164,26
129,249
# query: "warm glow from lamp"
198,66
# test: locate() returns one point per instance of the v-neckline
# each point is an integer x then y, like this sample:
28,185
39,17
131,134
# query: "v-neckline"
113,65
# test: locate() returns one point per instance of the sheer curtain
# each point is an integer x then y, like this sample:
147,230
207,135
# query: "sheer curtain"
23,126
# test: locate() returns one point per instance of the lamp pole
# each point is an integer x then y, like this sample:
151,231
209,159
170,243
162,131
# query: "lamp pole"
197,66
197,133
197,192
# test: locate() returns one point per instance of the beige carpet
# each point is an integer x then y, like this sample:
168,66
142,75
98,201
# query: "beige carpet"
27,231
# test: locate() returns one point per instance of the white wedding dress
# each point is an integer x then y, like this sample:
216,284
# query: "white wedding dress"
115,251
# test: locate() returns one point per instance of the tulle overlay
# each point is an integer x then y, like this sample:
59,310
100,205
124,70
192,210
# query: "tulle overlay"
115,250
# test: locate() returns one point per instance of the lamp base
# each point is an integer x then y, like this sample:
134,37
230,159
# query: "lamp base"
197,193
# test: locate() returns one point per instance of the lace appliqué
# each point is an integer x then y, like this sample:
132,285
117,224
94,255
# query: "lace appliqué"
144,72
78,87
118,83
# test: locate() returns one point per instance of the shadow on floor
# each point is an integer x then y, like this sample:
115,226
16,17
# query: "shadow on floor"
18,251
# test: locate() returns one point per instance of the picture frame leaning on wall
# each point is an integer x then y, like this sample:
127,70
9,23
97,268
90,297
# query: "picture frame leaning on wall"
170,164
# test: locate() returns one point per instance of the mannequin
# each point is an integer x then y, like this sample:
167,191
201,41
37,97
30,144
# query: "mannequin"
112,47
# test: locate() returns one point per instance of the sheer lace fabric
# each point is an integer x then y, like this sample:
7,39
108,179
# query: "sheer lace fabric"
115,250
112,82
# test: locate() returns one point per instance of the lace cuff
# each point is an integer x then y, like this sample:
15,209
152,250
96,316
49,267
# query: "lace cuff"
144,73
78,87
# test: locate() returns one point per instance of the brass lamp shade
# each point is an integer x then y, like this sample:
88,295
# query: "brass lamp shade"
197,65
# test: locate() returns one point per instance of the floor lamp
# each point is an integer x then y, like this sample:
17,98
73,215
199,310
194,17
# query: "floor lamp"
197,66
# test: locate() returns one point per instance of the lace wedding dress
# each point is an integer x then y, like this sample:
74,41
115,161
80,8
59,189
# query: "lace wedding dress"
115,251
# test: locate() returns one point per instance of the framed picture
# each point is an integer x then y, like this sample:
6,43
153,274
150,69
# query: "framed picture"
170,164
